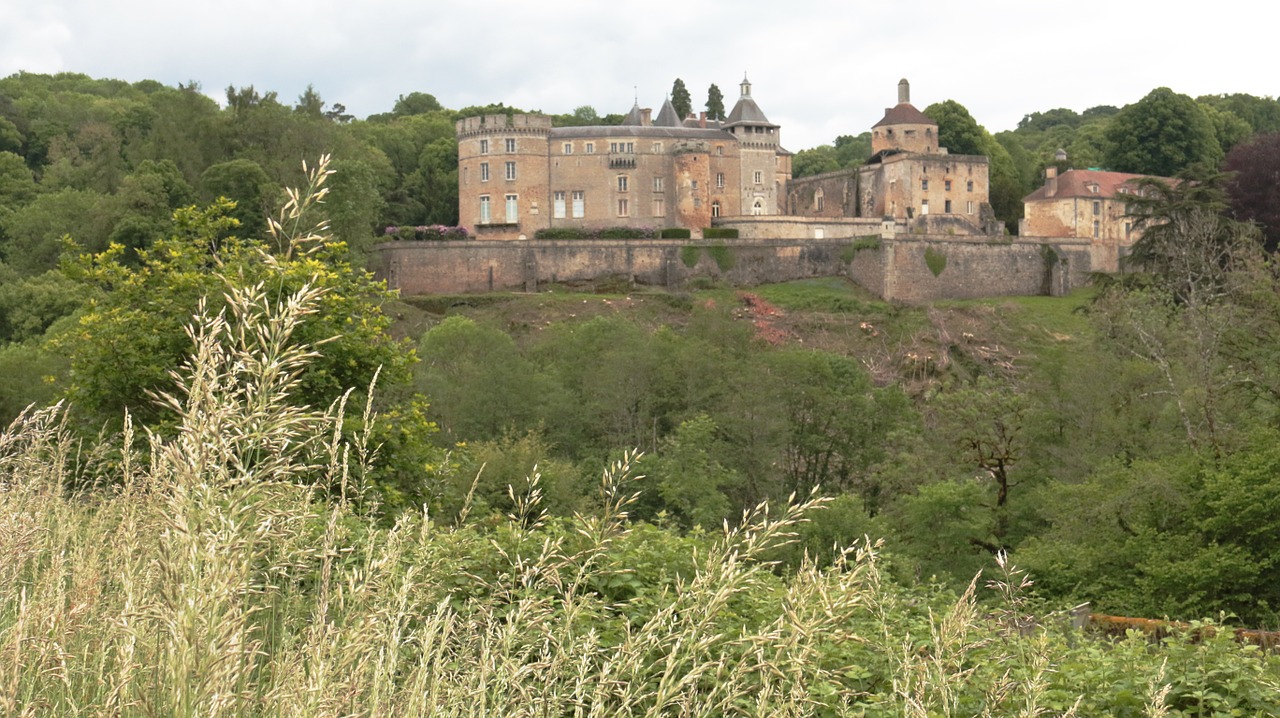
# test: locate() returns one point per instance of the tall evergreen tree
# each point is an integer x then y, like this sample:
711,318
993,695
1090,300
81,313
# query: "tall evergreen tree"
715,103
680,98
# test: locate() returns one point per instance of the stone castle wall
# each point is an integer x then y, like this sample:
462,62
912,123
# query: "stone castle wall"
900,269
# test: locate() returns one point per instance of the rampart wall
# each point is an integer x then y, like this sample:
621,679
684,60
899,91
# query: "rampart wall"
910,269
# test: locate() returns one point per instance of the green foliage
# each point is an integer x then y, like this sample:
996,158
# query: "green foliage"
1161,134
715,103
246,184
690,254
935,260
29,306
722,255
675,233
680,99
129,340
720,233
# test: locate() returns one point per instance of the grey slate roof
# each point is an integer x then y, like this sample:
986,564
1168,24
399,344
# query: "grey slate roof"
667,116
747,112
633,117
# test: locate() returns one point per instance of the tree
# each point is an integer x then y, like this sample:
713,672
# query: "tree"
1187,243
957,130
1253,189
1161,134
126,345
715,103
245,183
416,103
680,99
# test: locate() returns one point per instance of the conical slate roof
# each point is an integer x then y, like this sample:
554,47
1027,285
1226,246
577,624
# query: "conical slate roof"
746,111
667,116
634,116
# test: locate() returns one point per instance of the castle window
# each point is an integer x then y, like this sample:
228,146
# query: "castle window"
969,207
819,200
969,186
758,176
511,144
484,147
924,206
591,148
715,208
1097,207
946,207
484,209
694,185
484,171
659,207
719,180
924,184
624,208
946,185
720,150
757,207
579,204
568,148
1097,228
622,183
513,208
657,184
557,205
657,148
511,170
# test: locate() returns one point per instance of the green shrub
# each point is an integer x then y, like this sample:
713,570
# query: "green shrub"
720,233
560,233
722,255
690,255
675,233
935,259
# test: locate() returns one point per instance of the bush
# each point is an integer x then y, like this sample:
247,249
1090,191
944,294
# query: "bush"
675,233
560,233
428,233
720,233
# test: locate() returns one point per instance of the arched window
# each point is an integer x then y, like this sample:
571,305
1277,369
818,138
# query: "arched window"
758,207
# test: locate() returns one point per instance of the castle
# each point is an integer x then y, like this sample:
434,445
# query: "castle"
517,174
912,224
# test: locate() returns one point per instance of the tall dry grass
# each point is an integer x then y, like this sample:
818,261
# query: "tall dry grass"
219,570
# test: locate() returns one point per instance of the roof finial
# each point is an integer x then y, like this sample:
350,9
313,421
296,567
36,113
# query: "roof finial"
746,85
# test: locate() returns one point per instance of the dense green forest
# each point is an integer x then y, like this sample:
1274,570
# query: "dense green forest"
263,484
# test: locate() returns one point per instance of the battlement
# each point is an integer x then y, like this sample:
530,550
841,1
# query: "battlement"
519,123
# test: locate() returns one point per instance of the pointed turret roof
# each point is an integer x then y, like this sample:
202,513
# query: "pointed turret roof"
746,111
667,116
635,116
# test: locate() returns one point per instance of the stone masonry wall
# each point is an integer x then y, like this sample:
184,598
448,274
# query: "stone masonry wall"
899,269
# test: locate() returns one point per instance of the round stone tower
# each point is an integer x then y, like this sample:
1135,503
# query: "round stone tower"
503,175
904,128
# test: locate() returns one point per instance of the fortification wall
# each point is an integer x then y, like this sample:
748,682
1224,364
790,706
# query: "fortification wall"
925,268
911,269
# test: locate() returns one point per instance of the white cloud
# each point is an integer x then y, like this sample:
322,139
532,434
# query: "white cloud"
820,69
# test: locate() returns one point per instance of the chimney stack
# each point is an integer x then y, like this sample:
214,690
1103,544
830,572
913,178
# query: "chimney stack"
904,92
1050,181
646,117
702,120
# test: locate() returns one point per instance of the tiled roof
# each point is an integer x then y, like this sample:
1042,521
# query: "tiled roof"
1080,183
634,116
904,114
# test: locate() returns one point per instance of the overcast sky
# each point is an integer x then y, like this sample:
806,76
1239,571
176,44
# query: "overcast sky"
818,68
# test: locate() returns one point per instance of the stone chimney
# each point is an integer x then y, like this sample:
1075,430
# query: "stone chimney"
904,92
646,117
702,120
1050,181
